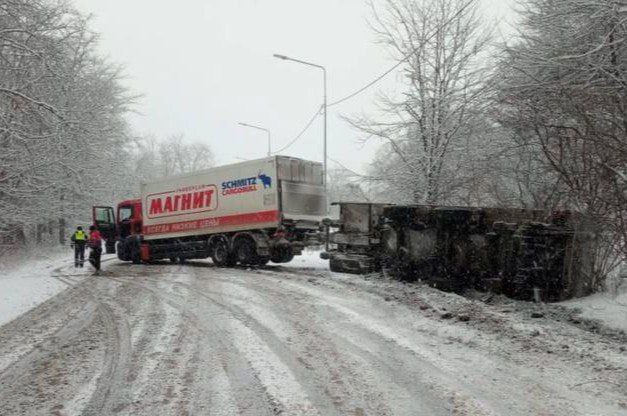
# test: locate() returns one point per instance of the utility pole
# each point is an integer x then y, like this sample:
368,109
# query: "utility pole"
324,105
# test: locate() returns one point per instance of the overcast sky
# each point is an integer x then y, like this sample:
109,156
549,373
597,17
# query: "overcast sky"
205,65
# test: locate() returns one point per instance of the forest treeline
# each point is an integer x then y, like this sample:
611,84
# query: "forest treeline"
65,142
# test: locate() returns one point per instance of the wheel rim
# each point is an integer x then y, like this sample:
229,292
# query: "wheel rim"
220,253
244,252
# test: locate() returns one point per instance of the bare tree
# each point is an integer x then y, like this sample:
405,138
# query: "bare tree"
181,156
441,113
563,96
170,156
62,128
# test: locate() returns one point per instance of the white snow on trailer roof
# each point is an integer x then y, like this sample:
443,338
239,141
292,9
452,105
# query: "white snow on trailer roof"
242,164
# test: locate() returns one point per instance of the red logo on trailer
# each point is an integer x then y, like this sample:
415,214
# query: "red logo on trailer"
182,201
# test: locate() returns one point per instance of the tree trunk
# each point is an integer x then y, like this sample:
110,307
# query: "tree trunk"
62,231
40,231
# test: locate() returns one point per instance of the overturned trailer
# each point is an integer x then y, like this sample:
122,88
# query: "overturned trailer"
357,240
525,254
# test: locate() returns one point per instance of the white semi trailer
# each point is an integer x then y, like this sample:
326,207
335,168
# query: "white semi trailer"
248,213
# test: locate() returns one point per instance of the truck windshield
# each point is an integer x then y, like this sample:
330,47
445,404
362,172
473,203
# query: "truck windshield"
125,213
103,215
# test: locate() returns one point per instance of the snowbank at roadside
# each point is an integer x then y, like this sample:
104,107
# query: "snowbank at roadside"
610,309
26,284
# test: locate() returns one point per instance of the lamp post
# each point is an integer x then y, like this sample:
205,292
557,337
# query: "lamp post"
259,128
324,106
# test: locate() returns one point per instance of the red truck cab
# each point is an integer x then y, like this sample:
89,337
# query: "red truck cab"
129,218
125,231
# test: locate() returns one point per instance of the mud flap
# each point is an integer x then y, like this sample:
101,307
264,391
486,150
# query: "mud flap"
144,252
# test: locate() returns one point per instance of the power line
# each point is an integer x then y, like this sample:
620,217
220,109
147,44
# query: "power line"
347,169
403,60
295,139
371,83
368,85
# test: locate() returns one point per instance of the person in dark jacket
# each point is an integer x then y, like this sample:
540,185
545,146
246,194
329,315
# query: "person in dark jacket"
79,239
95,244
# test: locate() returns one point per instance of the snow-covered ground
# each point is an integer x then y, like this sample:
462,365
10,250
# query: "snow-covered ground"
34,278
294,339
611,309
608,308
29,283
310,259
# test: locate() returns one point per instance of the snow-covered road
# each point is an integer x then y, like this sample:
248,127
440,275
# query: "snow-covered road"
196,340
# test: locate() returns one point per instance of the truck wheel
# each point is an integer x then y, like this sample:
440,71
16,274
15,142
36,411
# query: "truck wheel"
289,256
173,259
245,251
336,266
132,252
220,254
262,260
122,253
282,255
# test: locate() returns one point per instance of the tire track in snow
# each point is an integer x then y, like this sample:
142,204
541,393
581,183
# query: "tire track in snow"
288,287
237,387
285,392
446,367
365,307
32,329
23,366
316,349
111,394
350,379
280,371
80,313
319,361
49,374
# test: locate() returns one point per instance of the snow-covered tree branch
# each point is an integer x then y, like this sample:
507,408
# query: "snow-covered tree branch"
63,134
562,94
442,108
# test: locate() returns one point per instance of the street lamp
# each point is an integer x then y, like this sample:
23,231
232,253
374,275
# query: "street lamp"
324,105
259,128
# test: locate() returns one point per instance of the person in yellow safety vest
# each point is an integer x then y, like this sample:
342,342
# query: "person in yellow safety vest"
79,239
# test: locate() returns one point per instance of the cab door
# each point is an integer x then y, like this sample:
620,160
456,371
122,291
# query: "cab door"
104,219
